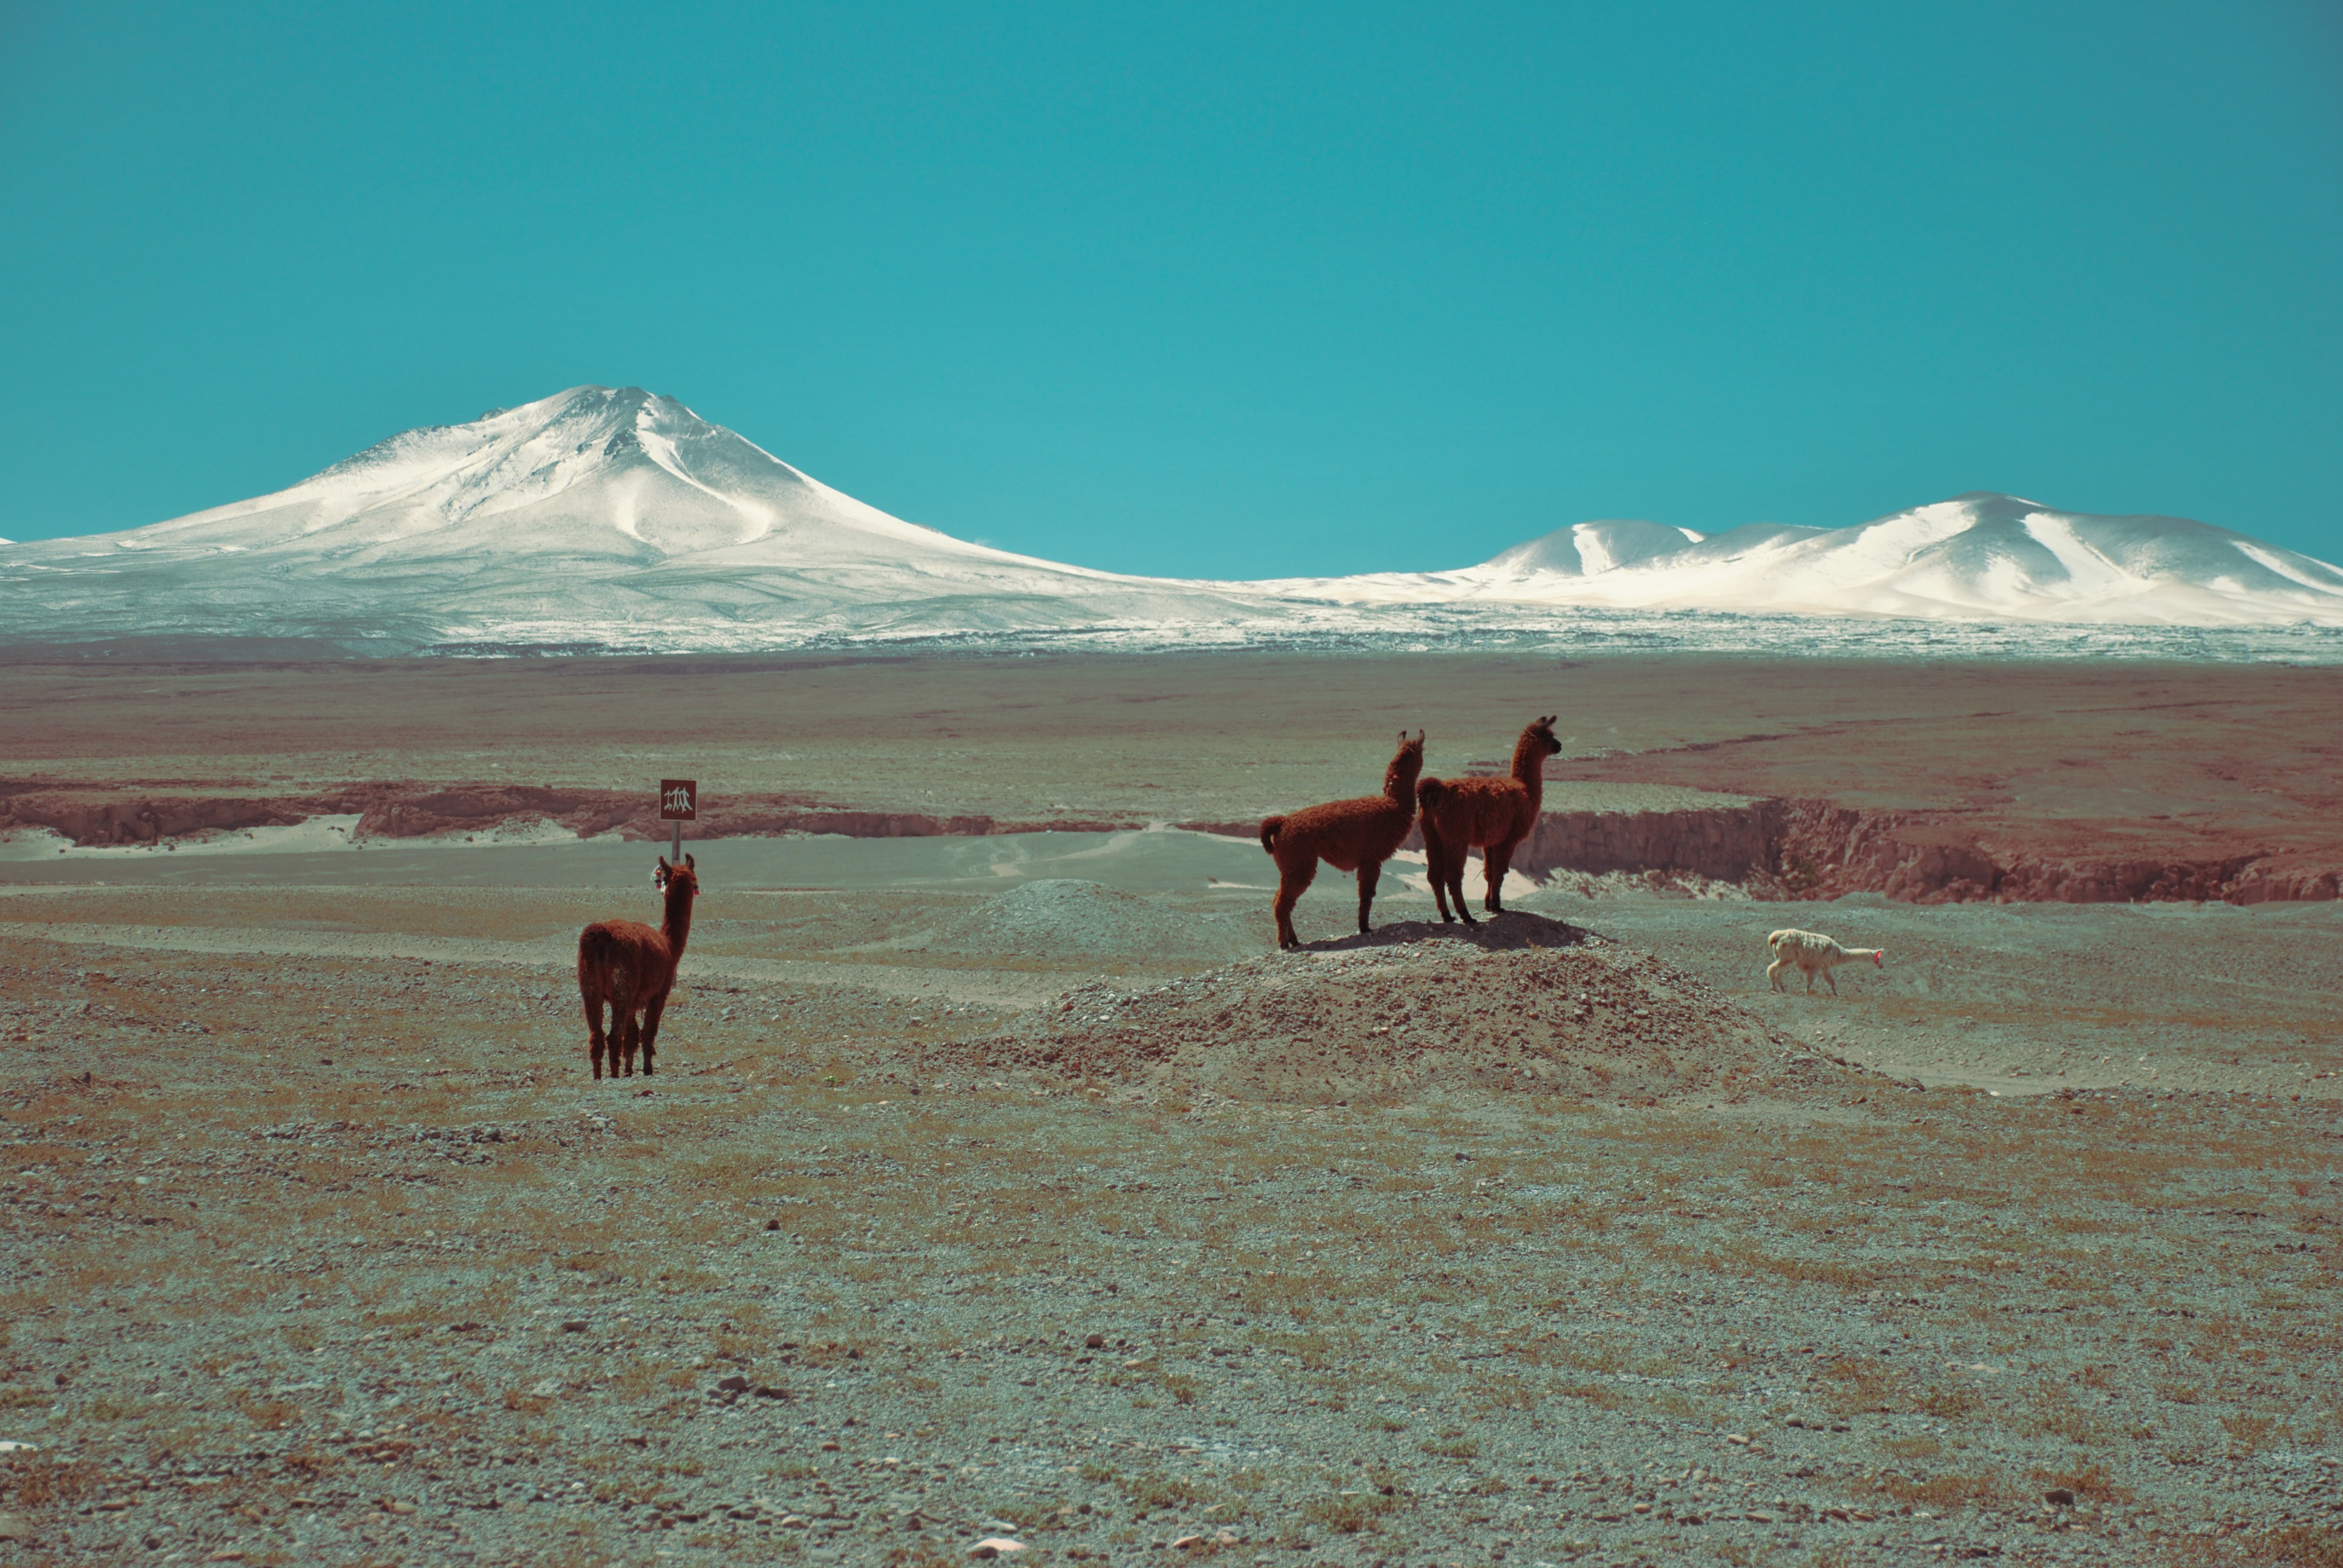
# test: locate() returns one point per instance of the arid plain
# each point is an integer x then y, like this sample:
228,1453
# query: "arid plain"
1014,1187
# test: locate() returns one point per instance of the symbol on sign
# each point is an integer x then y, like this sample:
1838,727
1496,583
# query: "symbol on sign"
679,799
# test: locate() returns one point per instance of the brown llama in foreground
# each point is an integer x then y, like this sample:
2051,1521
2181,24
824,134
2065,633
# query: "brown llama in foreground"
632,967
1348,835
1493,815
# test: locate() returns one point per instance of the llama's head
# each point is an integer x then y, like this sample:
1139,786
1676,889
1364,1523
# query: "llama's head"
1879,958
1405,764
685,876
1540,734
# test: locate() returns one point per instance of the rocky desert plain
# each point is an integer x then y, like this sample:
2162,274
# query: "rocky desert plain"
1004,1193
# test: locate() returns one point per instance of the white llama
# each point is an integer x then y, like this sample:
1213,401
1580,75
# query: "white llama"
1814,953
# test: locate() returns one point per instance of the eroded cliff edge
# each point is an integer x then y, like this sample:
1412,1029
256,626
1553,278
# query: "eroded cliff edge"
1778,848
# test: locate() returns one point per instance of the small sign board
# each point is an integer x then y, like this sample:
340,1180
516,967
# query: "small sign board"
679,799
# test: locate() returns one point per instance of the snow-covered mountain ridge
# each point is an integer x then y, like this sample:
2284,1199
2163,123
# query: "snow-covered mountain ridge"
1978,556
602,518
594,517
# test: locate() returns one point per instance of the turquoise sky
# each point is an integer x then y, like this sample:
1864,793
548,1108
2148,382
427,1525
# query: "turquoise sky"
1237,290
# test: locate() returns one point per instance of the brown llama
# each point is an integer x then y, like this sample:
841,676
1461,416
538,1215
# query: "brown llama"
632,967
1493,815
1348,835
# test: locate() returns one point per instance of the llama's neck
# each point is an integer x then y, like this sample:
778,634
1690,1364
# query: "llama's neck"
676,927
1528,767
1398,780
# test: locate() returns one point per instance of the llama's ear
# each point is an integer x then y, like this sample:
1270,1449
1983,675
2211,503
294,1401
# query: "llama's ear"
688,863
663,865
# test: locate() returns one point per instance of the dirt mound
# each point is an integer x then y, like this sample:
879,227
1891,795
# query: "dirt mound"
1057,917
1523,1003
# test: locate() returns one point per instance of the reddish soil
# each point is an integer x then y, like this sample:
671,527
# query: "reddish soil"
2085,784
2075,782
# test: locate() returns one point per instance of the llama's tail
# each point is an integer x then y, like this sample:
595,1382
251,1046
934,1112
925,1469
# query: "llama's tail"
1270,828
598,950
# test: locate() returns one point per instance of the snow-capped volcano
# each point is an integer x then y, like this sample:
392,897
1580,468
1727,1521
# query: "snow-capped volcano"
1978,557
593,516
618,520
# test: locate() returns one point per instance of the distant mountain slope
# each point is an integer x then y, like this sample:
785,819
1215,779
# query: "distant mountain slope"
1584,549
616,518
1980,555
592,516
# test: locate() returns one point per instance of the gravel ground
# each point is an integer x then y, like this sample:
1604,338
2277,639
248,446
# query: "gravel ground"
320,1247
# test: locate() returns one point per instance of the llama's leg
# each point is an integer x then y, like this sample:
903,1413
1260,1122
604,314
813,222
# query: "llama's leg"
651,1012
623,1035
1293,880
1494,859
1832,981
1773,974
1456,886
595,1041
1435,866
1369,875
1810,979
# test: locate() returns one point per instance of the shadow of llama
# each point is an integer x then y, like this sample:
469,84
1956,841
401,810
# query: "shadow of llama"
1349,835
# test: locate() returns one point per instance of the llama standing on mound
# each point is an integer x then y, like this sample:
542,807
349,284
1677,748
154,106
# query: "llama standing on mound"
1493,815
1816,954
632,967
1348,835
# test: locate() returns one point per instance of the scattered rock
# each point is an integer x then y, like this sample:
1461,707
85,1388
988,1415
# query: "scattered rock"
996,1546
734,1384
2059,1497
1094,1343
13,1529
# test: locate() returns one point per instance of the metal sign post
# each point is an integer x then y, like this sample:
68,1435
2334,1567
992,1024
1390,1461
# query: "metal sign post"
678,804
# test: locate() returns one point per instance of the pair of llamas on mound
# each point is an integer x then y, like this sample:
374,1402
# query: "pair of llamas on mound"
1492,815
